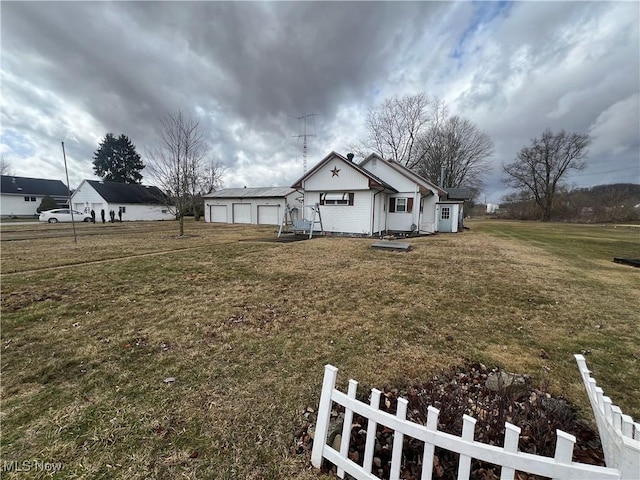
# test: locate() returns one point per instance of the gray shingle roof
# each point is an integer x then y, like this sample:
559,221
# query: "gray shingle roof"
32,186
461,193
115,192
262,192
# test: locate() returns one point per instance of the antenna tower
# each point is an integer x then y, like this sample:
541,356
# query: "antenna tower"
302,121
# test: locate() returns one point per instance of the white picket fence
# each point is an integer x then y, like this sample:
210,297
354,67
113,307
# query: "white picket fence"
508,457
619,434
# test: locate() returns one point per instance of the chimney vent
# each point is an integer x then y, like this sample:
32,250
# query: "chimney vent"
350,157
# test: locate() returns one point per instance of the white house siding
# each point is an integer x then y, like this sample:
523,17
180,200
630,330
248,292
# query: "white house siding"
379,214
141,212
11,205
352,219
402,221
428,216
348,179
425,220
85,197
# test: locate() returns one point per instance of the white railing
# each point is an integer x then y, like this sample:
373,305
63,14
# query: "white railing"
508,457
619,434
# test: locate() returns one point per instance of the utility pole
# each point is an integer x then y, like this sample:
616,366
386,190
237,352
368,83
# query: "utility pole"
303,121
64,155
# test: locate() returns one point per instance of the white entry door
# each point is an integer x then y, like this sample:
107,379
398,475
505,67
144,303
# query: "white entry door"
241,213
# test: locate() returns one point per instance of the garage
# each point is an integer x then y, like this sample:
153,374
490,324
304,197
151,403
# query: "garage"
241,213
218,213
268,215
258,206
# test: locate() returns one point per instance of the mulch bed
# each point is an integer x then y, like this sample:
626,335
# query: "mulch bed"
455,392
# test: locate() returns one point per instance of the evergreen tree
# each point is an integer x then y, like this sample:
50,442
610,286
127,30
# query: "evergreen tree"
117,160
47,203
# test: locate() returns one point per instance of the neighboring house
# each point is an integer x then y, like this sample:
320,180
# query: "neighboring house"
372,197
260,206
21,196
136,202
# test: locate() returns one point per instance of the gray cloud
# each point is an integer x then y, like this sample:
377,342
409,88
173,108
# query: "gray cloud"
73,71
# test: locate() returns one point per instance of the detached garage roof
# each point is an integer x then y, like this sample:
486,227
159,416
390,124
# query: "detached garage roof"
260,192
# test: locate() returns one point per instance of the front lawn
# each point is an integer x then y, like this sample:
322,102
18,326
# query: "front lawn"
136,354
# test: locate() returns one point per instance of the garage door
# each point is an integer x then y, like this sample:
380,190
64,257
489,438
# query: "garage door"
268,214
241,213
218,213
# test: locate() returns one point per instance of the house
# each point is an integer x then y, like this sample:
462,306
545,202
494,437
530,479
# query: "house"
373,197
260,206
136,202
21,196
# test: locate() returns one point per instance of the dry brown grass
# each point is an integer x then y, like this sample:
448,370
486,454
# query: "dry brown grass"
246,327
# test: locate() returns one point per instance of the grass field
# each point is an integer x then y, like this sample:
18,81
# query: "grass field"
91,331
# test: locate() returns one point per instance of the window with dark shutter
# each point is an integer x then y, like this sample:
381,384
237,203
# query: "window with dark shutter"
409,205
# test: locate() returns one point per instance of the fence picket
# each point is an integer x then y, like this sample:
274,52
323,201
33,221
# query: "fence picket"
429,449
324,414
564,447
346,426
627,426
372,426
468,432
511,439
608,413
398,437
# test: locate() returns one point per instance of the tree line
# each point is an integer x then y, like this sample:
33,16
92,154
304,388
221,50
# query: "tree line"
599,204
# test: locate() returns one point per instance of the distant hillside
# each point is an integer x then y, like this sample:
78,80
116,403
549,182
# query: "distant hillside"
619,202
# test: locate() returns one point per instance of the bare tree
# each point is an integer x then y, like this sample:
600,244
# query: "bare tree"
394,128
5,166
540,168
211,176
419,133
176,162
456,150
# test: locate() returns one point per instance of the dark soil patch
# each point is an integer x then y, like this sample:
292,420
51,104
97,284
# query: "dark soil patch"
456,392
634,262
282,239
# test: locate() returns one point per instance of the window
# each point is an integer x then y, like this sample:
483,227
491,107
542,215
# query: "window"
29,199
122,209
400,205
445,213
337,198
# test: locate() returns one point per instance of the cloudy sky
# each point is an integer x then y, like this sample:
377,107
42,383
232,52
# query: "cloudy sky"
74,71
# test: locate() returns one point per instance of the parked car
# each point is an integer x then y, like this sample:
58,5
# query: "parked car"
63,215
